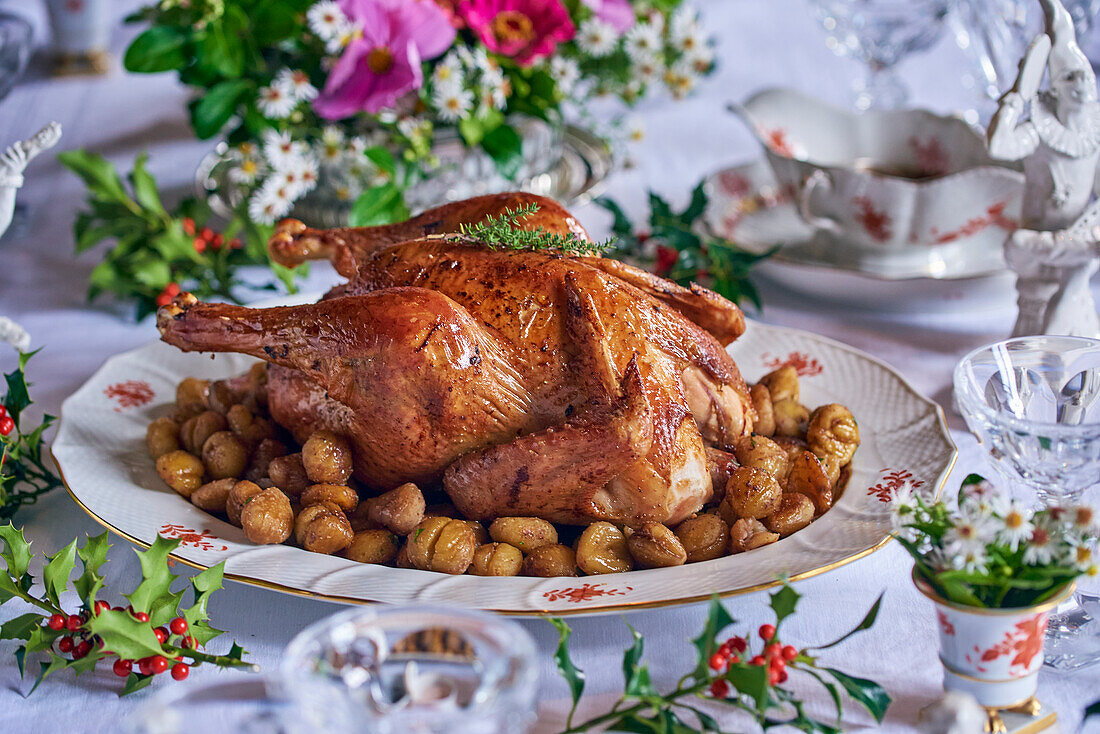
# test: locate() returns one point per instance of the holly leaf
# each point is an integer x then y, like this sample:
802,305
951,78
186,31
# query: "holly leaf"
55,664
145,186
750,680
697,205
55,575
125,636
834,692
17,551
574,676
873,696
717,620
203,632
866,623
134,683
204,584
783,603
98,175
620,226
156,578
17,397
21,627
93,554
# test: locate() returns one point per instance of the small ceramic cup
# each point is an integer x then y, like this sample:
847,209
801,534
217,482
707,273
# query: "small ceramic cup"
992,654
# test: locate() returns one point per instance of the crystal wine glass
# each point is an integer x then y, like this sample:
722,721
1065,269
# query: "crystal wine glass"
425,670
1034,403
881,33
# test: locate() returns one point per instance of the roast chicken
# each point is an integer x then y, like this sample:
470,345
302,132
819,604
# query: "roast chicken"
524,383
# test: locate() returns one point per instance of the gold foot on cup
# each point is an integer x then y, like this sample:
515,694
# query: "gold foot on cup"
1030,707
995,724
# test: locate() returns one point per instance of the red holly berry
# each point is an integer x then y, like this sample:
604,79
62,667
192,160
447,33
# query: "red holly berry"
783,676
180,671
178,626
774,650
56,622
738,643
65,644
3,410
757,660
139,616
82,649
170,291
666,258
718,662
773,677
123,668
735,659
235,244
642,237
790,652
217,241
99,607
189,643
189,226
207,234
162,635
199,244
144,666
719,688
73,623
158,664
7,425
767,631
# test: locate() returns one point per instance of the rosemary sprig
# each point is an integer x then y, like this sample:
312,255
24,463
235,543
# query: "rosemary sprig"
503,233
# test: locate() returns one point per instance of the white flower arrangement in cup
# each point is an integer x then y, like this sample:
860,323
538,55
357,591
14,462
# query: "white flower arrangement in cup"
986,550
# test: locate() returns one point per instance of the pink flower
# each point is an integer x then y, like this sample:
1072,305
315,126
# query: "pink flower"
619,14
382,62
526,30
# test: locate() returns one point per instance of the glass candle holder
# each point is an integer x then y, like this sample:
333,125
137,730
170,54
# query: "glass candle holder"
423,670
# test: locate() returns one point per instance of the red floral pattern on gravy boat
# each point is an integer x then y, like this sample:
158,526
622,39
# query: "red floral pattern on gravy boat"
1024,642
187,536
875,221
930,156
130,394
777,140
804,364
577,594
891,481
994,217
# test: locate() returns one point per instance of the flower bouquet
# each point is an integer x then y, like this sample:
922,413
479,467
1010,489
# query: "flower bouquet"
351,100
994,569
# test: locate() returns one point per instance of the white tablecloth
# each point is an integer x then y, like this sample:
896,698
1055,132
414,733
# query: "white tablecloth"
762,42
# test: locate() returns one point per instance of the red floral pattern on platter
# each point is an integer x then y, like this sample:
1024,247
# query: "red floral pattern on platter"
945,623
734,183
187,536
875,221
585,592
891,481
777,140
130,394
804,365
743,205
1023,642
930,156
994,217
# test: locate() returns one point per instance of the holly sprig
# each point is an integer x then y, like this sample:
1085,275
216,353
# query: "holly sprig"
158,252
726,674
677,246
156,631
24,475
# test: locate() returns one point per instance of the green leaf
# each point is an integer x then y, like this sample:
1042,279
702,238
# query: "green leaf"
41,638
574,676
659,209
98,175
125,636
21,627
92,555
17,551
866,623
156,577
221,51
382,204
134,683
159,48
621,226
783,602
750,680
834,692
505,147
381,157
697,205
210,113
145,186
873,696
56,663
633,654
473,129
55,575
705,644
640,685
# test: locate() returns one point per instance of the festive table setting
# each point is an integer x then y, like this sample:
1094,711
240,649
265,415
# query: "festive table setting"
379,329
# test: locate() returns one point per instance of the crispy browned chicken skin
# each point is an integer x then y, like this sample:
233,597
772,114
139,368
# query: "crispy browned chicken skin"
529,383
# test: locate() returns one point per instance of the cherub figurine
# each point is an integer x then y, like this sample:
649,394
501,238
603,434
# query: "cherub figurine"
1054,253
14,160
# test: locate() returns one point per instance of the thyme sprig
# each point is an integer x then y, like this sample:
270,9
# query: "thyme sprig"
503,232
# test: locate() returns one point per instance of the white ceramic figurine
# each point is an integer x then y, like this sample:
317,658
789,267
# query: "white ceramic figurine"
1054,253
14,160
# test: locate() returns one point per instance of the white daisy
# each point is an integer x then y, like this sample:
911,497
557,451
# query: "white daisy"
1081,556
701,59
972,560
684,23
690,43
339,42
494,89
299,176
1040,547
297,84
280,149
276,102
1085,518
449,72
680,80
482,61
269,203
453,104
643,41
967,532
14,334
247,172
647,71
326,20
1015,522
596,38
357,146
566,72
